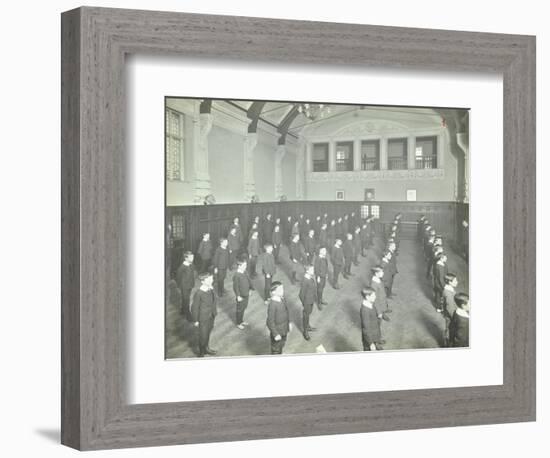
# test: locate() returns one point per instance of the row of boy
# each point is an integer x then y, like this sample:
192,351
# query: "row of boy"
315,276
453,306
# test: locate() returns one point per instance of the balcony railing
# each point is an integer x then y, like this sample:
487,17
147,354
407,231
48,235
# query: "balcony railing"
320,165
370,163
397,163
426,162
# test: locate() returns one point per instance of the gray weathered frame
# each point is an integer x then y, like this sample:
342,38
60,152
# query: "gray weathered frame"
95,41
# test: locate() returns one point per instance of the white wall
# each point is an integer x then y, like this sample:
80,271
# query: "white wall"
30,292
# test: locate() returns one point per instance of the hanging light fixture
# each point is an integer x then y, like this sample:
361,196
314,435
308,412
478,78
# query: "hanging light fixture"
313,111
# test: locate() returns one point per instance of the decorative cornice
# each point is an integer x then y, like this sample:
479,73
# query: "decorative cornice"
362,175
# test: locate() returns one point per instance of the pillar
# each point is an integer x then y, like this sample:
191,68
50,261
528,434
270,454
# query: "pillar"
383,153
331,156
202,186
250,142
357,155
279,156
411,152
303,159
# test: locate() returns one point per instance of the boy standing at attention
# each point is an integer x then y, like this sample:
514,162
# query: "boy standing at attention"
337,259
378,287
268,269
439,272
449,306
185,278
370,321
276,239
310,246
253,253
278,318
241,288
321,273
459,329
348,255
295,256
205,252
308,296
221,264
234,246
356,245
204,312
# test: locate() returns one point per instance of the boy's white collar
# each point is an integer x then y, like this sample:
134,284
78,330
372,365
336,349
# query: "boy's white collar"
462,313
449,288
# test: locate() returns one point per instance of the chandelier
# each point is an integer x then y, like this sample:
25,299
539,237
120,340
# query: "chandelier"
313,111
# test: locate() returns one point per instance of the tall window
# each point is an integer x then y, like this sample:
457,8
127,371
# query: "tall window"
364,211
174,145
397,154
320,157
178,227
344,156
425,153
370,155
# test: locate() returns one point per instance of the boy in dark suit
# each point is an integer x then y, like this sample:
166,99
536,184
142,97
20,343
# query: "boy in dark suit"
459,328
370,321
337,260
295,253
448,304
308,296
205,252
323,236
310,246
253,253
204,312
364,239
348,255
277,240
234,246
377,285
331,233
221,264
185,278
321,273
278,318
238,229
268,268
356,245
267,229
241,287
439,272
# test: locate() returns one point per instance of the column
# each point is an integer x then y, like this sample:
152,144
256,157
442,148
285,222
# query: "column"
250,142
202,186
462,140
309,155
331,156
383,153
357,155
279,156
411,152
303,163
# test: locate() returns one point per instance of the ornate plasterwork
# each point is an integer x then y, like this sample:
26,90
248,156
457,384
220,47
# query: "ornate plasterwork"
361,175
371,127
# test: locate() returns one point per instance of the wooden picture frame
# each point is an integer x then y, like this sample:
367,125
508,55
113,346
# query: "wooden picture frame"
95,413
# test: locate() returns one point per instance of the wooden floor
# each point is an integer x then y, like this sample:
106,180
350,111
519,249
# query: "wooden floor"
414,322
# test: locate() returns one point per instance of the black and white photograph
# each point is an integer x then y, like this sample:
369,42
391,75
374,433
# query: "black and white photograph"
305,227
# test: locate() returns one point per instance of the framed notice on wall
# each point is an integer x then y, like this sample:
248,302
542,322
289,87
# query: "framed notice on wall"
411,195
